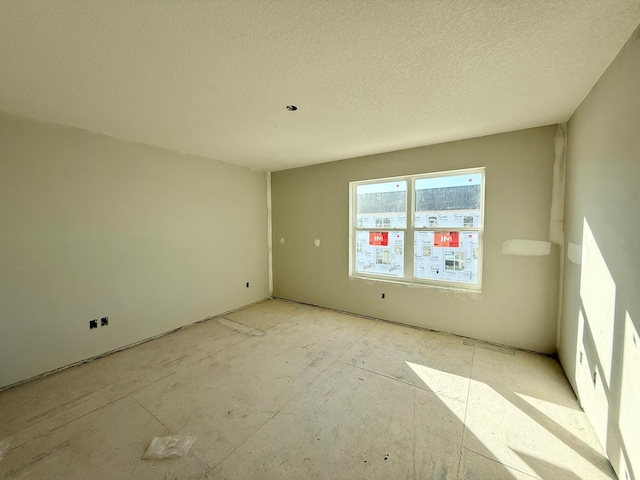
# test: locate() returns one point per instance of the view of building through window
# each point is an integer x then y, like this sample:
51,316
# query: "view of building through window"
382,205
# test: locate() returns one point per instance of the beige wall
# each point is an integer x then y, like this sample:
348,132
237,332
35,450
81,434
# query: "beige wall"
518,303
92,226
601,302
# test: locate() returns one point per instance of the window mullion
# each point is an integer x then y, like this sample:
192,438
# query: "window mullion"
408,240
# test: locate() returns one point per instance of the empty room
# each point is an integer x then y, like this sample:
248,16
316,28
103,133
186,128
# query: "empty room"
322,239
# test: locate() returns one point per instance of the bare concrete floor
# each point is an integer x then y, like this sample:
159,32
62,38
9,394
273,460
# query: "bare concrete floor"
281,390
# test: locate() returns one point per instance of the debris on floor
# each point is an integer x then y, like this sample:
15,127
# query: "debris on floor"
166,447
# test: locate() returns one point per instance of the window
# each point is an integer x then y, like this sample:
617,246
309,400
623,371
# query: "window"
424,229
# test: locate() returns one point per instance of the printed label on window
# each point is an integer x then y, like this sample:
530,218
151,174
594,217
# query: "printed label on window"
446,239
379,238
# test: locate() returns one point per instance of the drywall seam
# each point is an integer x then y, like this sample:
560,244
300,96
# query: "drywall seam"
560,294
126,347
556,219
269,234
528,248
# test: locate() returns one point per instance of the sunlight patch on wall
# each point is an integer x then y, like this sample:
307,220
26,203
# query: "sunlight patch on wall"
598,293
591,392
629,421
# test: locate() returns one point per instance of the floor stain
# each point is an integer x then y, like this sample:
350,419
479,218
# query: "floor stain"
240,328
13,473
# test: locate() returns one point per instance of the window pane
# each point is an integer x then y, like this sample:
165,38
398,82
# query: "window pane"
380,253
450,256
451,201
382,205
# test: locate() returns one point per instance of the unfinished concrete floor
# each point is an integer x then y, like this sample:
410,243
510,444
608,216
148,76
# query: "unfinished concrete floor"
281,390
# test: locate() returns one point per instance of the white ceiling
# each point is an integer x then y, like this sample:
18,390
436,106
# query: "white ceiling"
212,78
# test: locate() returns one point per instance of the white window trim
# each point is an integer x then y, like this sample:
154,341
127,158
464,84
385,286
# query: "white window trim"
409,233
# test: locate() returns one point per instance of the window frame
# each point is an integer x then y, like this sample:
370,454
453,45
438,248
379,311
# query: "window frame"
410,230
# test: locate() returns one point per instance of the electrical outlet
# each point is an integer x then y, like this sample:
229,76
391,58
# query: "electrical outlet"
93,324
104,321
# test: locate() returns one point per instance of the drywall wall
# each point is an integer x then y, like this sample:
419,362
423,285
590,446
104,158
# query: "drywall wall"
599,342
91,226
518,302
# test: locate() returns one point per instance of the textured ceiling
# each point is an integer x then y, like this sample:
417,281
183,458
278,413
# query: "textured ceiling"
213,78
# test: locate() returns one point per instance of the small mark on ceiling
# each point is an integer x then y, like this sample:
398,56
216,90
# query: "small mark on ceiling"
292,108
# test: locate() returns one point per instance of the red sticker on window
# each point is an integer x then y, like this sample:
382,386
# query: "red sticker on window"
379,238
446,239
